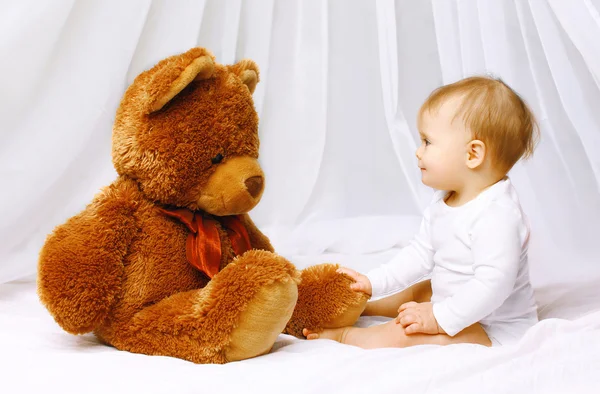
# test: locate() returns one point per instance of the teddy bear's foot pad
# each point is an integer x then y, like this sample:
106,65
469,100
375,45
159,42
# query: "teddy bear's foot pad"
262,321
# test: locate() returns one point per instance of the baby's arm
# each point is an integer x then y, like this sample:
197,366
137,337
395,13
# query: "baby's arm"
412,263
496,248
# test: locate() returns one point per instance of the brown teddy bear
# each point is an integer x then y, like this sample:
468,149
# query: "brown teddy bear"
166,260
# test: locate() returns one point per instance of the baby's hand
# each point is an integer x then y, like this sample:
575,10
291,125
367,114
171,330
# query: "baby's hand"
418,318
362,283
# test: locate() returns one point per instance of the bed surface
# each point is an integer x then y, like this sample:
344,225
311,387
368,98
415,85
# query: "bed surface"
560,354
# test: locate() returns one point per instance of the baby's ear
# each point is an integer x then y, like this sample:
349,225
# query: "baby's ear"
476,152
247,72
170,76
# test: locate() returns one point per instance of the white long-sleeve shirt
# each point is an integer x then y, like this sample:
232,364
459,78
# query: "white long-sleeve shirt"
477,257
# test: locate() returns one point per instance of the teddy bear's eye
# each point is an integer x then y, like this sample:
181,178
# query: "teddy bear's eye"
217,159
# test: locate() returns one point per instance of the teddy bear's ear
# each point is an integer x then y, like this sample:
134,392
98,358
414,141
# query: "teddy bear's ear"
174,76
247,72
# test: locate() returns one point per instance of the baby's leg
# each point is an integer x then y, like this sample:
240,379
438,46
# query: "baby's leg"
419,292
392,334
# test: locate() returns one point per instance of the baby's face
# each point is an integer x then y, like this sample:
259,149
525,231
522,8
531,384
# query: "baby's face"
442,155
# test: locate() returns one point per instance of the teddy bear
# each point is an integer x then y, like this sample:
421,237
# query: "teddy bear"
166,260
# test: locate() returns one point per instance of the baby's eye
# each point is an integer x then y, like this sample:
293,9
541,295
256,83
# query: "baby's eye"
426,141
217,159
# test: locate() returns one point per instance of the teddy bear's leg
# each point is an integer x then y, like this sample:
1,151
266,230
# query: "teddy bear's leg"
238,315
325,301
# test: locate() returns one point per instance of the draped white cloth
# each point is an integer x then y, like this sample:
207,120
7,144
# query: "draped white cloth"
341,83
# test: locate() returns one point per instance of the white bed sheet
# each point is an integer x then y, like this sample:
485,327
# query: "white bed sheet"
556,356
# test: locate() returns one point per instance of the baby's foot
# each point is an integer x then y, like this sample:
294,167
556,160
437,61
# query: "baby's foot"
336,334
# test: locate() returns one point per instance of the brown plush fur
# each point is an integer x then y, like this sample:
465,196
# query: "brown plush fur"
325,301
185,136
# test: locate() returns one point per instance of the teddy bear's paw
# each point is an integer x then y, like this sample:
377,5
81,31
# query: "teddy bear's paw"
262,321
325,300
263,289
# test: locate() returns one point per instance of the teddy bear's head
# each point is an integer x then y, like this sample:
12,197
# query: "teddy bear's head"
187,131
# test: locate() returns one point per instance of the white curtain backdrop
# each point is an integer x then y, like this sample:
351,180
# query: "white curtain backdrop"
341,83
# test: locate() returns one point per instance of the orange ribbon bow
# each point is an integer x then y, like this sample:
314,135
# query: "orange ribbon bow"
203,245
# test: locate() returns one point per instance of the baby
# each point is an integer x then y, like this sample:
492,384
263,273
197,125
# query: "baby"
474,235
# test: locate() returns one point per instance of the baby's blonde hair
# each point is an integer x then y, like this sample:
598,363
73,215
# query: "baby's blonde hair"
494,114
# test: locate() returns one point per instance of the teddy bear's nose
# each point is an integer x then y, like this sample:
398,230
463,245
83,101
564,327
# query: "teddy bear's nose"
254,185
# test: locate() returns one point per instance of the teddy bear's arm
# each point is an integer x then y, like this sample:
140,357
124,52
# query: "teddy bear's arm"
325,300
81,264
257,239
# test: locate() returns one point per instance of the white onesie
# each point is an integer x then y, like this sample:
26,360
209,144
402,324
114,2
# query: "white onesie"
477,257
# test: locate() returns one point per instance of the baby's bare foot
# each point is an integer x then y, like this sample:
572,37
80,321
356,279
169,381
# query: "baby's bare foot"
335,334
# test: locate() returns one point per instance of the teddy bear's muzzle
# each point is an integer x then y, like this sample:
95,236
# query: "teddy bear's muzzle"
234,188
